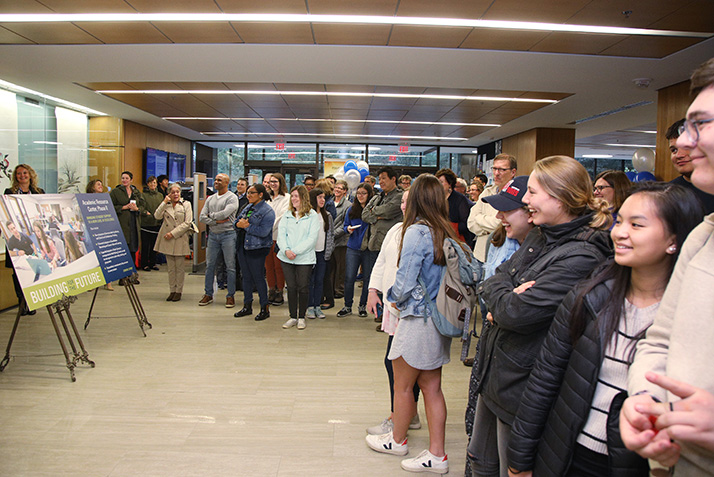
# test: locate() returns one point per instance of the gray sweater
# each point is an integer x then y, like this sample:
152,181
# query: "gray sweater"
220,207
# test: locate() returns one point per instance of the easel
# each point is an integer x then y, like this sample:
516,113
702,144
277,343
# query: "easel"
133,299
61,307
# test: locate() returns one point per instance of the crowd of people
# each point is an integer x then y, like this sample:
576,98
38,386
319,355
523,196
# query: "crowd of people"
594,304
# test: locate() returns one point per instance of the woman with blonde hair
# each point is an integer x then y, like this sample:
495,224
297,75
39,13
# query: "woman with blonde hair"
569,240
418,350
297,237
176,216
24,181
279,201
613,187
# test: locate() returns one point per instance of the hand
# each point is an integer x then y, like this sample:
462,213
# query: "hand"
290,254
523,473
133,207
20,253
372,301
167,199
689,420
221,221
489,317
639,435
350,229
169,236
242,223
523,287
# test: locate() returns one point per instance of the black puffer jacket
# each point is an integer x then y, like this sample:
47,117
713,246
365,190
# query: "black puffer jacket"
556,258
557,399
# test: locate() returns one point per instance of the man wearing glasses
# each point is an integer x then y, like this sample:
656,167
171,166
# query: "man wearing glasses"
482,218
682,162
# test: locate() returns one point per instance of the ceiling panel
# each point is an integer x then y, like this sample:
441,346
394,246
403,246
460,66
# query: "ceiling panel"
349,102
387,114
431,37
552,11
152,85
107,86
52,33
362,7
611,13
251,6
336,113
125,33
649,47
577,43
23,6
78,6
173,6
310,111
208,32
392,103
8,37
299,33
695,15
250,86
206,125
493,39
443,8
330,34
150,104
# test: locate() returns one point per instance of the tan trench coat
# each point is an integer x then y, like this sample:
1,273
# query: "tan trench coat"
176,220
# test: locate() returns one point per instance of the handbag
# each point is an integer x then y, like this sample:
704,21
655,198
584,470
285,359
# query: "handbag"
194,227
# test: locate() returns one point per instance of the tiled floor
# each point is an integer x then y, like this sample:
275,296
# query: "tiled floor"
205,394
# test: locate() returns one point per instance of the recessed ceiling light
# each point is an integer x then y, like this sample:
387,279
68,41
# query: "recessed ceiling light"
423,138
338,19
355,94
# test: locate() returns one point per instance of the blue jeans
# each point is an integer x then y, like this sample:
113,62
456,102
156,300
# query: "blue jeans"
252,263
353,259
225,242
317,280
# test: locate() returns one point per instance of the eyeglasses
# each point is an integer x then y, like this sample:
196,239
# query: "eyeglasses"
600,188
692,128
251,192
500,169
361,193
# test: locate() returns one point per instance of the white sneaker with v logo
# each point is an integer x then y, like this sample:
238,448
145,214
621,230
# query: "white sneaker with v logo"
386,444
427,462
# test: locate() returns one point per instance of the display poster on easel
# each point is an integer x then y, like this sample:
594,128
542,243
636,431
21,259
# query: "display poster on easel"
63,244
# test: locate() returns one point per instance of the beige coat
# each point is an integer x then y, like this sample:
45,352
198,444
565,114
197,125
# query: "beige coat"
177,220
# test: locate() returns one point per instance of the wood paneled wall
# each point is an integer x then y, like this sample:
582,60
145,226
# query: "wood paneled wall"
529,146
672,104
138,137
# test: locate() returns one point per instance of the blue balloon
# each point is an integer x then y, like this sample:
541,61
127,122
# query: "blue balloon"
645,176
363,173
632,176
349,165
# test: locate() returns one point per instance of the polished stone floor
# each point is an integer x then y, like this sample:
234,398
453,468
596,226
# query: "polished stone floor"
204,394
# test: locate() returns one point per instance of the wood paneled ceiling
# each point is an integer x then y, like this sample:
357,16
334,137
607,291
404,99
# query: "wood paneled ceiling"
667,15
320,110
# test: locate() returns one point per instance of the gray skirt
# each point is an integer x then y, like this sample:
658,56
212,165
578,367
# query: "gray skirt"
420,343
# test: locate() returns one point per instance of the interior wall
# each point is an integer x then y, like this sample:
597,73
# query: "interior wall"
530,146
672,104
138,137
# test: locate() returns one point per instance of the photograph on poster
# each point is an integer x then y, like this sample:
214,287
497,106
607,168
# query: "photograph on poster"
51,252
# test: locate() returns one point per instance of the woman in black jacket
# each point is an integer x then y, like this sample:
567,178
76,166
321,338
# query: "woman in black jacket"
567,421
568,242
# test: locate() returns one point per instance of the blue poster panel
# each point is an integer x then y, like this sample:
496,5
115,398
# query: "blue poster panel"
63,244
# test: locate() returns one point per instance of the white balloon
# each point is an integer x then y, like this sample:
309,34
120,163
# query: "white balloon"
339,175
643,160
341,170
362,164
353,178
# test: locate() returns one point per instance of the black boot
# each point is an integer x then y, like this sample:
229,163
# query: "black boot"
264,313
245,311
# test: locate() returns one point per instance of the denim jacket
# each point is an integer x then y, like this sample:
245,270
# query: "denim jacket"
260,232
417,259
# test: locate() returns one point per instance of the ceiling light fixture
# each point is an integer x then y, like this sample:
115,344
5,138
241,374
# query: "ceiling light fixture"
77,107
340,19
598,156
327,94
632,145
371,121
276,134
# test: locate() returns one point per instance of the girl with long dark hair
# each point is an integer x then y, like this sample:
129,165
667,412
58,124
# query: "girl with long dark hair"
323,250
418,350
566,423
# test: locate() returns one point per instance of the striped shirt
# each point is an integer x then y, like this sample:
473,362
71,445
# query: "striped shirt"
613,374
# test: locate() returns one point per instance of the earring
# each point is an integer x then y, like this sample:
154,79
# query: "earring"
672,249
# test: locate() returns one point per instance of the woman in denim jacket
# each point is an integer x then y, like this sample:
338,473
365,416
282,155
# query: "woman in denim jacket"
418,349
256,222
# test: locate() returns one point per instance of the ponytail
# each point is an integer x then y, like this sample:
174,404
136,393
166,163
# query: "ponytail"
602,216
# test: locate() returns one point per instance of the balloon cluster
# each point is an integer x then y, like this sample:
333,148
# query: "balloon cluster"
643,160
353,173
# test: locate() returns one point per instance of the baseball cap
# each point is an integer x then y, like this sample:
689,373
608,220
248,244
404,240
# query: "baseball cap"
511,196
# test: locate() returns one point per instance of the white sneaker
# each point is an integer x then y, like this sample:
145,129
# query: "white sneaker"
301,324
385,427
387,445
427,462
290,323
416,423
310,313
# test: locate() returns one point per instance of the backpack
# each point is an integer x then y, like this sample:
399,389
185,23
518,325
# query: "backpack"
456,300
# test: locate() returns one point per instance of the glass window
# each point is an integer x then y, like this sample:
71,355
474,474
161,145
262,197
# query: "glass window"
390,156
334,156
291,154
231,161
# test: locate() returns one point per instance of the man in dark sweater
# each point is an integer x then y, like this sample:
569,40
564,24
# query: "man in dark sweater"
683,163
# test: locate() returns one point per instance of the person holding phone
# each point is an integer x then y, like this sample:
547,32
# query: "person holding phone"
128,203
356,254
